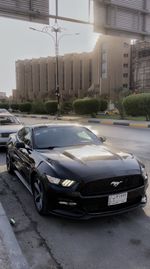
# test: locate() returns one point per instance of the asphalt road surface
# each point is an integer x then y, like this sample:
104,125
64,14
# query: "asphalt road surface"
117,242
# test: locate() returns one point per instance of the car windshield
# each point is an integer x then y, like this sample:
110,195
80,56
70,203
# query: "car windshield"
2,110
8,120
63,136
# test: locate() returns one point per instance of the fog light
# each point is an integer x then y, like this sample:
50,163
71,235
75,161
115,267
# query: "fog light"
67,203
144,199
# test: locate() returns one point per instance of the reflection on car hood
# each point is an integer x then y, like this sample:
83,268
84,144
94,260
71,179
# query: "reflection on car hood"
92,160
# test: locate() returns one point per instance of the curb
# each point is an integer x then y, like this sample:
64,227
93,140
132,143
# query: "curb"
97,121
128,124
13,254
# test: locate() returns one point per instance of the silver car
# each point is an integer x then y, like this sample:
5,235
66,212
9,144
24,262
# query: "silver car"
3,110
8,125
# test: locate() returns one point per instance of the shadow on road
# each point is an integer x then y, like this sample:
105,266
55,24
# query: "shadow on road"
2,156
121,241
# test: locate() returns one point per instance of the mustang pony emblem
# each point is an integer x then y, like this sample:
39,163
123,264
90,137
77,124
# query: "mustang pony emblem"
116,183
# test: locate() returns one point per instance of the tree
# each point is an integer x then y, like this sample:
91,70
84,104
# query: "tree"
120,94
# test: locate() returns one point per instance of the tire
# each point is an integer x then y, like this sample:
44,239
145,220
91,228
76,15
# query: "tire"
39,196
9,164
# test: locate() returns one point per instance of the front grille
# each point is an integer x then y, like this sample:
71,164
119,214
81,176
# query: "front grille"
102,206
5,134
104,186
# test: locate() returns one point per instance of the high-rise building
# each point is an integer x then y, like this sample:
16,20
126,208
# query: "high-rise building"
101,71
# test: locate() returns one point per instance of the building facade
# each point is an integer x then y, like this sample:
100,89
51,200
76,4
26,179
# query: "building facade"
3,96
140,66
99,72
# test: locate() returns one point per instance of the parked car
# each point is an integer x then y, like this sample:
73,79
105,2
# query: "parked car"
70,172
8,125
3,110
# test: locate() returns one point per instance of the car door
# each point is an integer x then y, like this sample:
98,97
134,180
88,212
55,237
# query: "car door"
25,159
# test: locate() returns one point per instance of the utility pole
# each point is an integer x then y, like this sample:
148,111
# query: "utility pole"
57,88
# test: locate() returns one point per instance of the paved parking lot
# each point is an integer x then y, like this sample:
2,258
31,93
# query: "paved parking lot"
117,242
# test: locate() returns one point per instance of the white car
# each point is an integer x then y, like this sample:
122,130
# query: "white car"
8,125
3,110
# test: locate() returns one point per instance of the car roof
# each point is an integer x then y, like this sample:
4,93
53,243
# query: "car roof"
34,126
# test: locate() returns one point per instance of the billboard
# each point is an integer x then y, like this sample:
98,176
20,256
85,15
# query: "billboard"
28,10
130,18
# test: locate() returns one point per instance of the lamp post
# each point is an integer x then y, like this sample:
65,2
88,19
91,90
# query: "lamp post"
56,30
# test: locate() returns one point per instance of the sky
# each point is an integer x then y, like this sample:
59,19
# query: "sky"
17,41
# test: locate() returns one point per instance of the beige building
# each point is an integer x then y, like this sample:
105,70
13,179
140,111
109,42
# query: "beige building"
3,96
140,66
101,71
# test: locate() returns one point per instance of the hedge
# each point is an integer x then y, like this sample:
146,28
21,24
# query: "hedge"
137,105
51,107
66,107
25,107
38,107
4,105
86,106
15,106
103,103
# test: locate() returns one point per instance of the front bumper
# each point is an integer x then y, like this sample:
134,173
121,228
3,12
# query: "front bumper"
3,141
76,206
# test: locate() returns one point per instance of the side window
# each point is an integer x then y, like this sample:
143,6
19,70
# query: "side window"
21,133
25,136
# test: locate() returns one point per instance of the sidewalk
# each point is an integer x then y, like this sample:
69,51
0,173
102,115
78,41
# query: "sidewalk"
133,124
11,256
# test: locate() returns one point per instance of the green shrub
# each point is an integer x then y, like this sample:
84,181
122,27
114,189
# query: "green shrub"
25,107
66,107
86,106
38,107
137,105
15,106
103,103
4,105
51,107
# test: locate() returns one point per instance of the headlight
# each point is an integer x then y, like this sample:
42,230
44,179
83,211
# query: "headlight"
62,182
53,180
67,183
144,174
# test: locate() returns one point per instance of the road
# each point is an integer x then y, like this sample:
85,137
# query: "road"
117,242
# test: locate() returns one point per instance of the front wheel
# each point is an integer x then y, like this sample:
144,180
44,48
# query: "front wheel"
9,164
39,196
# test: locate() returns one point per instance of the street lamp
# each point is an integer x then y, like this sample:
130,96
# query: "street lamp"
49,30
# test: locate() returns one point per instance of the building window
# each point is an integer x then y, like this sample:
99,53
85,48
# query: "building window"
39,76
125,65
71,75
90,72
63,75
126,55
125,75
80,74
125,86
125,45
47,77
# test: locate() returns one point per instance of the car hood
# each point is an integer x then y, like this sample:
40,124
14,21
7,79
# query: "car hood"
10,128
91,161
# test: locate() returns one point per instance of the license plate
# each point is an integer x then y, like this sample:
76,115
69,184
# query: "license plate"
117,199
4,135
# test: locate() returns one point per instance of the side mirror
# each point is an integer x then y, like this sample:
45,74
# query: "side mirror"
20,145
103,139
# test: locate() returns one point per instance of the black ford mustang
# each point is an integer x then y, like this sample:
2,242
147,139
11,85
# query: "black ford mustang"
70,171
